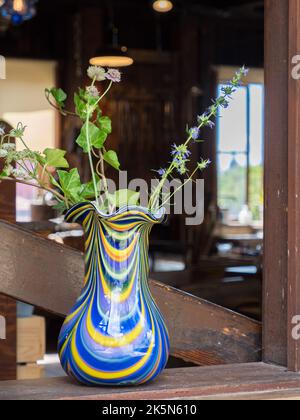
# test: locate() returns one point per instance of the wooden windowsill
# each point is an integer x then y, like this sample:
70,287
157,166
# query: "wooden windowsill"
219,382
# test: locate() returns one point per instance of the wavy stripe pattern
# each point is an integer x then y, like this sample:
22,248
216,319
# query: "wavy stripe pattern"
115,334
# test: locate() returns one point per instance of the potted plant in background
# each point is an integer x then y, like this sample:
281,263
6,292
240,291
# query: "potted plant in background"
114,334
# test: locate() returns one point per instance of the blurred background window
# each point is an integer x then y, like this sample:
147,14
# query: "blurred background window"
240,154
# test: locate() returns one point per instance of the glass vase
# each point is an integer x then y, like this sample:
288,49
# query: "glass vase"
115,333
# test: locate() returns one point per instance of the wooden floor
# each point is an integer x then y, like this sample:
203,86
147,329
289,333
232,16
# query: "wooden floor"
247,381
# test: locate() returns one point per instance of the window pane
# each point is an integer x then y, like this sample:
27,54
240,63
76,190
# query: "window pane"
232,127
256,124
256,192
232,182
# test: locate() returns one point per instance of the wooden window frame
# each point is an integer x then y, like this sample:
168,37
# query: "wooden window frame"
282,184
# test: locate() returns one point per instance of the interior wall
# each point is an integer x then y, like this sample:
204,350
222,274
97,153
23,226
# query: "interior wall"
22,99
23,89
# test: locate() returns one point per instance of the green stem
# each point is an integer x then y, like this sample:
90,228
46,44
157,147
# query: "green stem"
20,181
63,112
90,154
105,93
105,185
179,188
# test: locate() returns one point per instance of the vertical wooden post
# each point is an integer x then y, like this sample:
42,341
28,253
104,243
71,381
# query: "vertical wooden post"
8,347
294,186
282,184
276,182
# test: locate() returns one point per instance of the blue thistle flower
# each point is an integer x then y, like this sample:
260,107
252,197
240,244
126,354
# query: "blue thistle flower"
243,71
194,133
203,164
228,90
174,150
223,102
180,152
186,155
161,172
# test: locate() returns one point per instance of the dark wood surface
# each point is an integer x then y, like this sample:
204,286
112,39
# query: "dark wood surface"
45,274
190,383
276,182
8,358
294,189
282,185
8,347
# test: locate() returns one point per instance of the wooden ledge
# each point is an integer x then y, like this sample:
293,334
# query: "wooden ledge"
222,382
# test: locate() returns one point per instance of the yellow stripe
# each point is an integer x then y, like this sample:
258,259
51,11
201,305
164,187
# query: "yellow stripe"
113,342
117,254
97,374
122,228
132,214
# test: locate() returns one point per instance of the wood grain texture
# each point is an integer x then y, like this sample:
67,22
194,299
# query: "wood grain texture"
276,182
294,189
282,184
190,383
30,371
51,277
31,339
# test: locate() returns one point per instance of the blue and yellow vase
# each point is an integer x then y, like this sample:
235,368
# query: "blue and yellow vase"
115,334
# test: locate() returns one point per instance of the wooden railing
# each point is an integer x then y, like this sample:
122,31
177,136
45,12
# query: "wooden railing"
48,275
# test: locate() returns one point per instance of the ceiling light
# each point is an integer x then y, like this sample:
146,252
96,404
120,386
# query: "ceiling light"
162,6
113,58
17,11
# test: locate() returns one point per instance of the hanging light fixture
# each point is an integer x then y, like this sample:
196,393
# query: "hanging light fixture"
162,6
114,55
18,11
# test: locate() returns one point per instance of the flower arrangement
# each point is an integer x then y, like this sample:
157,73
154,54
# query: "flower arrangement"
50,170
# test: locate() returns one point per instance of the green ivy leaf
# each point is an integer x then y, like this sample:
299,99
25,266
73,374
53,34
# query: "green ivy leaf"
59,95
97,137
80,106
112,159
123,198
87,190
70,184
105,124
56,158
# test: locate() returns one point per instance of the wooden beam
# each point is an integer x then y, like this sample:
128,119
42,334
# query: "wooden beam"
48,275
191,383
293,309
282,186
276,183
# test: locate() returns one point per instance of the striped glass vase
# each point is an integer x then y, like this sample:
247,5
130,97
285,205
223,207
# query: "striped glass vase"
115,334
